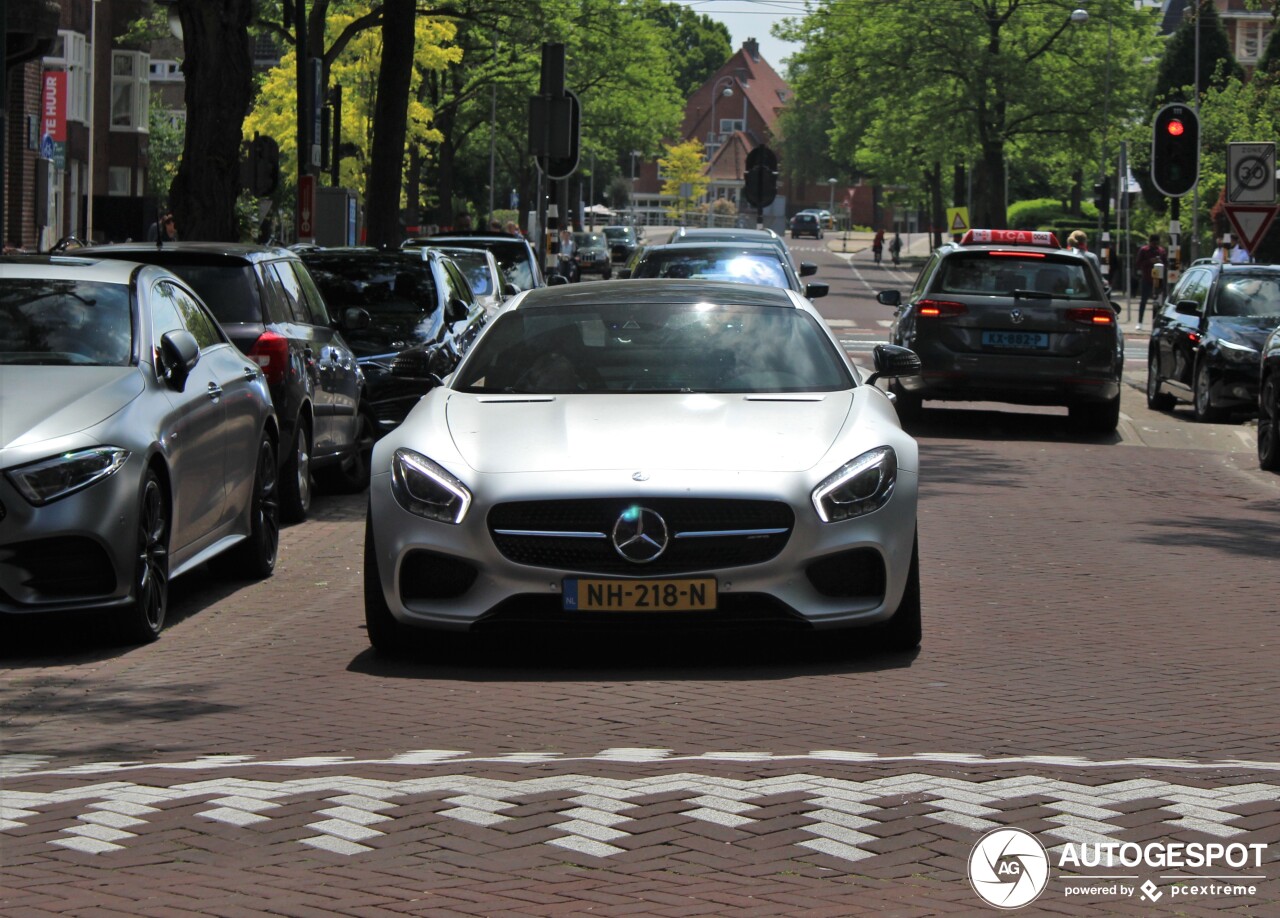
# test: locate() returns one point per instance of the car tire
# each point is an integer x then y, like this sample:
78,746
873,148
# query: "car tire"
143,620
1201,402
255,557
351,476
606,274
1096,418
1269,426
903,632
295,476
386,635
1156,400
909,405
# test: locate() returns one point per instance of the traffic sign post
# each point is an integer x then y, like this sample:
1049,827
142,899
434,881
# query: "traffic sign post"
306,207
1251,173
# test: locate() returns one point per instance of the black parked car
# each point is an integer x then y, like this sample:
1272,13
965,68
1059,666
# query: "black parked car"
516,257
266,301
1208,336
806,224
422,318
623,243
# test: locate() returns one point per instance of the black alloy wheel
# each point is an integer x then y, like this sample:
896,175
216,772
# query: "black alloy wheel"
387,636
1269,426
295,477
1156,400
144,619
255,557
352,475
1201,402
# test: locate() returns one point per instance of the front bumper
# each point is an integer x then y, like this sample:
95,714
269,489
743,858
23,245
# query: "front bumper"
795,586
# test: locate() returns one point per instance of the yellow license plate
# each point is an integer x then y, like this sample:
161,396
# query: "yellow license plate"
685,595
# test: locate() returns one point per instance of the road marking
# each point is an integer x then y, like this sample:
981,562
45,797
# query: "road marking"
603,808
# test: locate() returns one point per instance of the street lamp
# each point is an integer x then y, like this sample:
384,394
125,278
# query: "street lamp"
831,203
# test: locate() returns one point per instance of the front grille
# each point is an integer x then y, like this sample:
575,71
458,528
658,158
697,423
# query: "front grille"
598,516
735,612
62,567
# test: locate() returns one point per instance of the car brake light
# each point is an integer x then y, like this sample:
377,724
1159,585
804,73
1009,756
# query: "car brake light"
1018,254
1193,337
1092,316
271,352
936,309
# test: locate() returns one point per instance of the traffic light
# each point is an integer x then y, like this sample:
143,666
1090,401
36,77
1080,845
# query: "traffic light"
1102,195
1175,150
761,185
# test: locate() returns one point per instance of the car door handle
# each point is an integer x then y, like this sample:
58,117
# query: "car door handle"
215,391
250,373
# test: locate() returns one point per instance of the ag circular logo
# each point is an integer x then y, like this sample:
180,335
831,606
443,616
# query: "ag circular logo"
1008,868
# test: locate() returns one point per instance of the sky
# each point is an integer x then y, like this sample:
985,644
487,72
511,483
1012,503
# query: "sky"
753,19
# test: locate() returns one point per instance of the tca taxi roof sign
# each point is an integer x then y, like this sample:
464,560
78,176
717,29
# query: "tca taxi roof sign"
1010,237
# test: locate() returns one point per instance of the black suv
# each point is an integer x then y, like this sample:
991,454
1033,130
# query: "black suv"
422,318
1009,316
622,241
268,304
1207,339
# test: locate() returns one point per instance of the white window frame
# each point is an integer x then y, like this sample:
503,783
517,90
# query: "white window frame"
1251,31
133,85
75,60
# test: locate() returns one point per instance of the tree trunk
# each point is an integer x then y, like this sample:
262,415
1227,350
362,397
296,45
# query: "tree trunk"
989,210
390,123
938,219
218,71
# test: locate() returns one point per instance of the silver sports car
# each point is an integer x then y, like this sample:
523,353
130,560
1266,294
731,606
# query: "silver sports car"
136,441
647,452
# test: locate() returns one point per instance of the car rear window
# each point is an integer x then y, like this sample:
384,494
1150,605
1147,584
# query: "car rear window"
229,290
760,268
991,274
399,293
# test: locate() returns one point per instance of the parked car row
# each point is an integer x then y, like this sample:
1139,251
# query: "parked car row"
170,405
1214,344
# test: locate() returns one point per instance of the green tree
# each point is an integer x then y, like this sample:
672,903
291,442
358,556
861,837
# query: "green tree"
696,44
915,87
164,151
1177,69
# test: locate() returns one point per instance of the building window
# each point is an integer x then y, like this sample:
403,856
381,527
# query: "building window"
165,72
1251,40
71,53
729,125
118,181
130,90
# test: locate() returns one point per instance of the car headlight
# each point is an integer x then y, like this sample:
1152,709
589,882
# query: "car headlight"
1239,353
857,487
426,489
51,479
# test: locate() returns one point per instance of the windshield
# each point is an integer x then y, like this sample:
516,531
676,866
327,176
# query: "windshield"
1249,295
588,240
761,268
654,347
989,274
229,290
619,233
65,322
398,292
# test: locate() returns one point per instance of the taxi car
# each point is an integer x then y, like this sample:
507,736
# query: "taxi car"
658,453
1010,316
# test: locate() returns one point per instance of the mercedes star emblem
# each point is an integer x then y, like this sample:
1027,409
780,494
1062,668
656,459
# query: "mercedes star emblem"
640,535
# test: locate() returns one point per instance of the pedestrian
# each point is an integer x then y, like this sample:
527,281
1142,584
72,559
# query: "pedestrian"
462,221
163,230
512,228
1078,242
1222,254
877,245
1149,256
895,247
565,255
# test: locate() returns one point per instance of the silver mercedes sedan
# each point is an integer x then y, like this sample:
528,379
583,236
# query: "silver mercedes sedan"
136,442
655,452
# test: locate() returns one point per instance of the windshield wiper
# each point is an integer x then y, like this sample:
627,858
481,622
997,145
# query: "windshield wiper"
1031,295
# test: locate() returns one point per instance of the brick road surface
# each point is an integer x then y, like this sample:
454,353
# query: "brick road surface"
1099,663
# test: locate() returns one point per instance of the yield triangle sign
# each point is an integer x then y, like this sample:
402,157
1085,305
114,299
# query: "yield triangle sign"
1251,222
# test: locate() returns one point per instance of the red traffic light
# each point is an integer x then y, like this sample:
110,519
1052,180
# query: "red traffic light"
1175,127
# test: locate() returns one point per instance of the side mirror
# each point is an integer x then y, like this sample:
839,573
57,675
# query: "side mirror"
456,311
890,298
555,280
180,353
815,290
807,268
624,273
892,361
355,319
1187,308
509,289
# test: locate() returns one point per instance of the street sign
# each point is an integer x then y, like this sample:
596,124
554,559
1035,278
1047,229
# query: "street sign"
1251,173
957,219
1251,222
306,206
